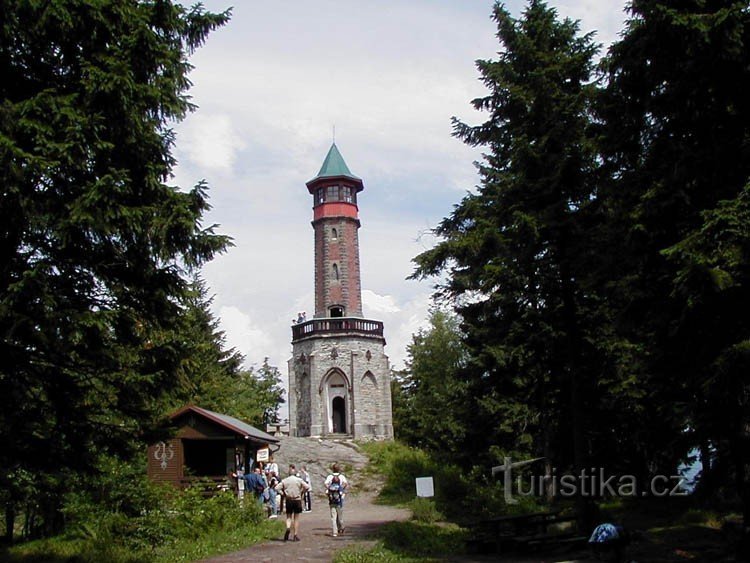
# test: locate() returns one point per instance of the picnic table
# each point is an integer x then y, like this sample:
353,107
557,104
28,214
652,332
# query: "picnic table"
523,532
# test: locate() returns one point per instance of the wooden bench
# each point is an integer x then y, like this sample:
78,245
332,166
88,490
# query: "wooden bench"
277,428
521,532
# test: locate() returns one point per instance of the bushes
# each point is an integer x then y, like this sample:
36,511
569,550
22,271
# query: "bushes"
120,516
459,495
402,465
424,510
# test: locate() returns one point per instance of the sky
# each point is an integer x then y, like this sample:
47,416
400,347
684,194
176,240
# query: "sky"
273,84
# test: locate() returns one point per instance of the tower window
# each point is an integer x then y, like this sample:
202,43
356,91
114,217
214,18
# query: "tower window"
334,234
337,311
335,271
320,196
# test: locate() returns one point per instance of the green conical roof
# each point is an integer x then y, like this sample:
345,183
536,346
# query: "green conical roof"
334,165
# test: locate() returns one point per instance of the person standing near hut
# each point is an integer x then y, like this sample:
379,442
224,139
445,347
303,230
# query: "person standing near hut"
255,484
307,495
273,481
292,487
272,466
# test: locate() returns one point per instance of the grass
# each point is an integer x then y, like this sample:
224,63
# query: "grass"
673,529
64,549
665,529
407,542
425,537
190,527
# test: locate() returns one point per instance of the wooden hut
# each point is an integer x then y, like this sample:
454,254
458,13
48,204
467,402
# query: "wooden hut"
207,446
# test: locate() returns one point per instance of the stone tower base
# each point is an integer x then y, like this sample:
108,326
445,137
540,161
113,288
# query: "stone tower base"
340,384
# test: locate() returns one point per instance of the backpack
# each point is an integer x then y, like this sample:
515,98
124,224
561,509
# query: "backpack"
334,491
605,533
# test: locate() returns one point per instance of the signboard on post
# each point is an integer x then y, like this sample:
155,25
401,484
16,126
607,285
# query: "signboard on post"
425,487
262,455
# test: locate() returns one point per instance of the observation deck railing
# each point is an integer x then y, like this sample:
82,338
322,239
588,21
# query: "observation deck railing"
337,326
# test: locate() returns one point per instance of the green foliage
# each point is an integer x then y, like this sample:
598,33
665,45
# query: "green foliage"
97,249
456,490
515,252
600,270
366,555
424,510
430,410
674,214
415,539
402,465
409,542
215,378
122,516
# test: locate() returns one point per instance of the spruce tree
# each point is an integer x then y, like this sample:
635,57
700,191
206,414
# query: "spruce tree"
96,245
431,410
513,251
676,117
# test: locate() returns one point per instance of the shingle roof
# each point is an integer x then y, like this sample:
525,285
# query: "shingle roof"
231,423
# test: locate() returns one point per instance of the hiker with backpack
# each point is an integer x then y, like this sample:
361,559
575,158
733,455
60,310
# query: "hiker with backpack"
336,486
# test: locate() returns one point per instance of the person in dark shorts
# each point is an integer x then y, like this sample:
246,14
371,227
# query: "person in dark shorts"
292,488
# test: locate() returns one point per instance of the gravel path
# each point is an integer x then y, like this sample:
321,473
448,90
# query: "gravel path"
362,518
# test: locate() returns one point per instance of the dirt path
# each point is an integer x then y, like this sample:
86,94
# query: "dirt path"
361,518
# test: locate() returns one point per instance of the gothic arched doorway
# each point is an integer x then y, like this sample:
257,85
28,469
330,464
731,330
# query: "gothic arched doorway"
335,391
338,415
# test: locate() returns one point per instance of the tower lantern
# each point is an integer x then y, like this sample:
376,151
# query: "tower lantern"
339,376
338,291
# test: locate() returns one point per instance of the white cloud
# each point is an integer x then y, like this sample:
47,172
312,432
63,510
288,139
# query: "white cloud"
374,304
242,334
605,17
389,75
400,326
210,142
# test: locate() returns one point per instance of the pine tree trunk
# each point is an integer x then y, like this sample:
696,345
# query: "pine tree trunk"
707,483
10,521
743,547
574,367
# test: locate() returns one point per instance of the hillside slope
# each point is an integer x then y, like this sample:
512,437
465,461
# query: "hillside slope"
319,455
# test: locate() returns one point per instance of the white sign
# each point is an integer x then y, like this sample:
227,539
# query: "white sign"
262,455
425,487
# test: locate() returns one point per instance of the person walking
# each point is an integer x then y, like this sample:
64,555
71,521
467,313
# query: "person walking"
292,487
307,495
336,486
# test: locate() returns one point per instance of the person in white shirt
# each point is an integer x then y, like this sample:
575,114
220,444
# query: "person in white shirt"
292,487
272,466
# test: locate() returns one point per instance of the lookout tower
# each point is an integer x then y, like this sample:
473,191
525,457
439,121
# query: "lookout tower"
339,377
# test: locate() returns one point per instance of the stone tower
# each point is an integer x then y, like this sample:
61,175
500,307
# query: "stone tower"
339,377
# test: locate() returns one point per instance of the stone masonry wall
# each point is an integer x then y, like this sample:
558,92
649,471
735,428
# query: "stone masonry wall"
364,365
